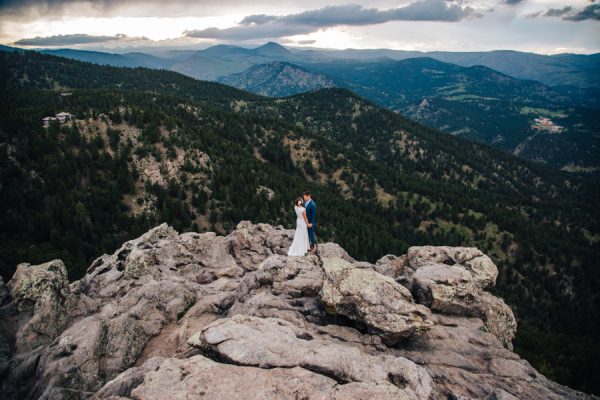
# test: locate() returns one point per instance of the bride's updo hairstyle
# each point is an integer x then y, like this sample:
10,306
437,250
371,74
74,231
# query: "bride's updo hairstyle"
298,199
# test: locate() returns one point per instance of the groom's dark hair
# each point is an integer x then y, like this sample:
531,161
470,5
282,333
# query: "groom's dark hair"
307,193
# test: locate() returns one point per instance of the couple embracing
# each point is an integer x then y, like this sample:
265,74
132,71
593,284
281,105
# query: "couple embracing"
304,237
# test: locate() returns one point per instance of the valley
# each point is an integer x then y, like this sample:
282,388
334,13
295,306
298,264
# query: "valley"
150,146
492,97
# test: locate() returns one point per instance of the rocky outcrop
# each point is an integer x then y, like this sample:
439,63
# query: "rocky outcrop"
277,79
273,342
170,316
452,280
367,296
198,377
42,297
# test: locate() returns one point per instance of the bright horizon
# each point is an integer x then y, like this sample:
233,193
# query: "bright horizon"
538,26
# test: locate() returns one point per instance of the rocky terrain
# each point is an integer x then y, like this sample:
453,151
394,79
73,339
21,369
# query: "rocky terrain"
201,316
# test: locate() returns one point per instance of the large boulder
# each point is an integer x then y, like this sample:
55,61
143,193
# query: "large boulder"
483,270
452,280
43,299
198,377
292,276
498,318
365,295
446,288
272,342
251,244
328,250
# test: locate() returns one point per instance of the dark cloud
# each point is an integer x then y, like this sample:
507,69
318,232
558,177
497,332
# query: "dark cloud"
23,4
590,12
512,2
270,26
307,41
32,9
558,12
68,40
52,7
568,13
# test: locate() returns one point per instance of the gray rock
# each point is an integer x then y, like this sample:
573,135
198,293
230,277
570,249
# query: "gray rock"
318,327
455,289
272,342
367,296
500,394
292,276
251,244
499,319
390,265
42,297
328,250
201,378
481,267
467,361
369,390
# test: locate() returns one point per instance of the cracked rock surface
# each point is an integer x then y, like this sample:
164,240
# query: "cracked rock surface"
200,316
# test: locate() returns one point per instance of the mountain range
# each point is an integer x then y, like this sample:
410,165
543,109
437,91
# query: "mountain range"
494,97
481,104
148,146
567,70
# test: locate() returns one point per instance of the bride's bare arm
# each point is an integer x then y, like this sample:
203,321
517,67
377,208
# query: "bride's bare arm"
304,216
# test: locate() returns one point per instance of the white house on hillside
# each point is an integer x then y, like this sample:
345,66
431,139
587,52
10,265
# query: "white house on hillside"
62,117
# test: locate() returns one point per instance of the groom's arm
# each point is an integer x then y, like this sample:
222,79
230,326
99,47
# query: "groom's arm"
313,213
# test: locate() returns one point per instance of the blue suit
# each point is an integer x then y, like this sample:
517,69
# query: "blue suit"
311,216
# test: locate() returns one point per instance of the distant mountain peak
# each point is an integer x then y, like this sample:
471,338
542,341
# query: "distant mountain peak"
223,49
272,48
278,79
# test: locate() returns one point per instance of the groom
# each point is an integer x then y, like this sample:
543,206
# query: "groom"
311,216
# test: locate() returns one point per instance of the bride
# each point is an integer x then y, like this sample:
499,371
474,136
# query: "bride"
300,244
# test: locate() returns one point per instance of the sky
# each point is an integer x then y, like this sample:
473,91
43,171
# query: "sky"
540,26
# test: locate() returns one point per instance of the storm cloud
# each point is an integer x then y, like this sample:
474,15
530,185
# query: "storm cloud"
569,13
25,8
262,26
590,12
68,40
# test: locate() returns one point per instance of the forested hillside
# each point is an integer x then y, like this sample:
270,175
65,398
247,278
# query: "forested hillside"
469,99
483,105
37,71
151,146
522,117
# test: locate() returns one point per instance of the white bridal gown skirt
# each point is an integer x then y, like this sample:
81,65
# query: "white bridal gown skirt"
300,244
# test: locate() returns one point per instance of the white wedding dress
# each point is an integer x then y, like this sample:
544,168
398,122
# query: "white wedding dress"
300,244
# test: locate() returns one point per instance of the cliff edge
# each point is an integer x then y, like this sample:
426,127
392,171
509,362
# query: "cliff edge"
200,316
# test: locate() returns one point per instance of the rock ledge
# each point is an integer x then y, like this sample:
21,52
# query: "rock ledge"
200,316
